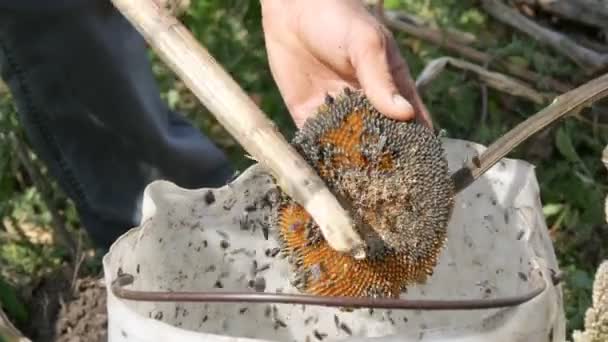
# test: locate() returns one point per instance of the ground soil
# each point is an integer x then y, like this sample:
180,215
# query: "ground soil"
64,315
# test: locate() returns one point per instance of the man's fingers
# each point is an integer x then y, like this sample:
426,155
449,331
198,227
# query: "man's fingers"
406,85
370,59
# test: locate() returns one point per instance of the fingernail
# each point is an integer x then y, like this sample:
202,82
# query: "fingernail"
403,104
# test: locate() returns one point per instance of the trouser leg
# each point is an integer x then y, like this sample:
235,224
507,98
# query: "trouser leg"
91,109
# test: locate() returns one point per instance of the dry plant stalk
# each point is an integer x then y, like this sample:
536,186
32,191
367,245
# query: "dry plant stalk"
176,7
590,12
566,104
587,59
214,87
393,20
596,316
495,80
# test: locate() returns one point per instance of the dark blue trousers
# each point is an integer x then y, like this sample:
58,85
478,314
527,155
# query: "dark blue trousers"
91,109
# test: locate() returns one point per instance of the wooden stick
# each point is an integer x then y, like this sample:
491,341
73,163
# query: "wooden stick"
589,43
495,80
214,87
393,21
563,105
589,12
585,58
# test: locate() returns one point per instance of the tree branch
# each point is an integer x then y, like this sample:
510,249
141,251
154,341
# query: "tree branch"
563,105
495,80
394,21
585,58
589,12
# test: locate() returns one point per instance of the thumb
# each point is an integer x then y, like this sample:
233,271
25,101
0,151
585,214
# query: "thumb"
371,63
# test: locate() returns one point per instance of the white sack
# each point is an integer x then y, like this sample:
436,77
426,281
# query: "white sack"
497,243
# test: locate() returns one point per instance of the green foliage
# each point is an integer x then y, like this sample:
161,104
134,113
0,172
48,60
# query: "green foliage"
21,207
9,298
8,123
10,302
571,177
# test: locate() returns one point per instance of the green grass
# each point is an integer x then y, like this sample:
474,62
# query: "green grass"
572,179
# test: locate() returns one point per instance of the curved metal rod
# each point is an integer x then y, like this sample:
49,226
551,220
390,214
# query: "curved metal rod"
126,279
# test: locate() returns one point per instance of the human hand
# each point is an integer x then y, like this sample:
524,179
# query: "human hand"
319,47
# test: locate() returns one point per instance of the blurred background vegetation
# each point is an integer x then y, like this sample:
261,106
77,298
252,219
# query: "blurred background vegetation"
567,155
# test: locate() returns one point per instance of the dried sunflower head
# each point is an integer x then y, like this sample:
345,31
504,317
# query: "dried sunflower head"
393,178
